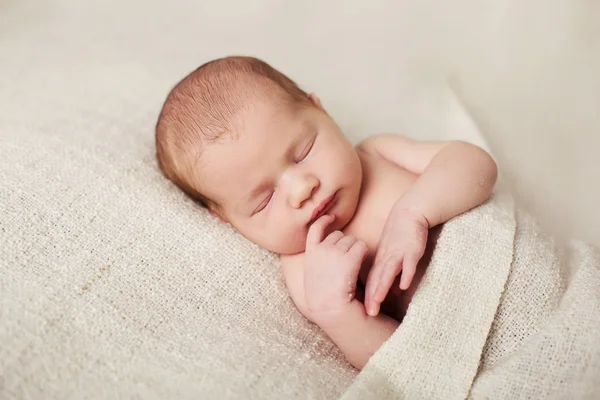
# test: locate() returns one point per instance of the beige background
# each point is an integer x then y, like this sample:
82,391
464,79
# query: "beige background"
527,71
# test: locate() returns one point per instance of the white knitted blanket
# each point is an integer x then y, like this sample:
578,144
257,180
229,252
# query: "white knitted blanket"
503,312
113,285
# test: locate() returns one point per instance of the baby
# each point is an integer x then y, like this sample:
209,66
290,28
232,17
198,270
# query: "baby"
349,223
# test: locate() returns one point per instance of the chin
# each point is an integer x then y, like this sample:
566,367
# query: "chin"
291,250
290,247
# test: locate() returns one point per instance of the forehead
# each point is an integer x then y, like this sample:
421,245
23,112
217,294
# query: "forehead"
234,163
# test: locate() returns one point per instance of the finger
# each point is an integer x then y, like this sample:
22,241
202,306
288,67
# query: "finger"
371,305
409,268
375,273
358,251
346,243
316,232
373,309
390,270
333,238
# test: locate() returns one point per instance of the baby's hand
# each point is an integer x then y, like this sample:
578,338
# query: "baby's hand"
331,270
400,248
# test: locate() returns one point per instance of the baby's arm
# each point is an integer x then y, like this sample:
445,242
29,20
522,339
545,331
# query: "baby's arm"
330,274
357,334
453,176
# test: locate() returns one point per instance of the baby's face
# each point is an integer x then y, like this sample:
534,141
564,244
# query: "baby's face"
272,179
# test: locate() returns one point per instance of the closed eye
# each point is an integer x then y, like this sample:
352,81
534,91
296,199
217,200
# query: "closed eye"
306,150
263,203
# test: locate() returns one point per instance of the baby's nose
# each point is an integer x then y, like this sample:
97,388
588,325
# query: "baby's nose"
303,189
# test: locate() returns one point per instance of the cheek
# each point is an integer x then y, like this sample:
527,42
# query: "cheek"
286,231
278,232
286,238
344,159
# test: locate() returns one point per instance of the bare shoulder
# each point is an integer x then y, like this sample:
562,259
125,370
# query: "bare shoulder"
410,154
369,152
371,144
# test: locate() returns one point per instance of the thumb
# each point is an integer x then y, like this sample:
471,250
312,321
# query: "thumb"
316,232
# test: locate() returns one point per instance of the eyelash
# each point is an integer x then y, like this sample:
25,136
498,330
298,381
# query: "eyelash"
306,151
264,204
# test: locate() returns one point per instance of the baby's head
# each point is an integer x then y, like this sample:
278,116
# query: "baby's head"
259,152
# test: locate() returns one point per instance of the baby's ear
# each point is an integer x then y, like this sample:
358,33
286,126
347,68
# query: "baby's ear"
316,101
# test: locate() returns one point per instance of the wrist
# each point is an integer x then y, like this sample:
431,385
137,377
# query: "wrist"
414,212
332,320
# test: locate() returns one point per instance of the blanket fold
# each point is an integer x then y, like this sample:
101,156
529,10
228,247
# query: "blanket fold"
502,312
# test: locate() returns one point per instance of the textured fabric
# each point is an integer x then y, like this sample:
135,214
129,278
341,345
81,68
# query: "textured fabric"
503,312
545,340
114,285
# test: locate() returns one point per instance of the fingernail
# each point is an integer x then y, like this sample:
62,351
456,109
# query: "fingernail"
372,310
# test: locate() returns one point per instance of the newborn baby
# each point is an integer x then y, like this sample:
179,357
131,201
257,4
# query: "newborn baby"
349,223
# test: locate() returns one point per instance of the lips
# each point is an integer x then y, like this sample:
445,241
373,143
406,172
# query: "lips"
322,208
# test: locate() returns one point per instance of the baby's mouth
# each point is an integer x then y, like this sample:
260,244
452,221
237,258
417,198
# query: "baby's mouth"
322,208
